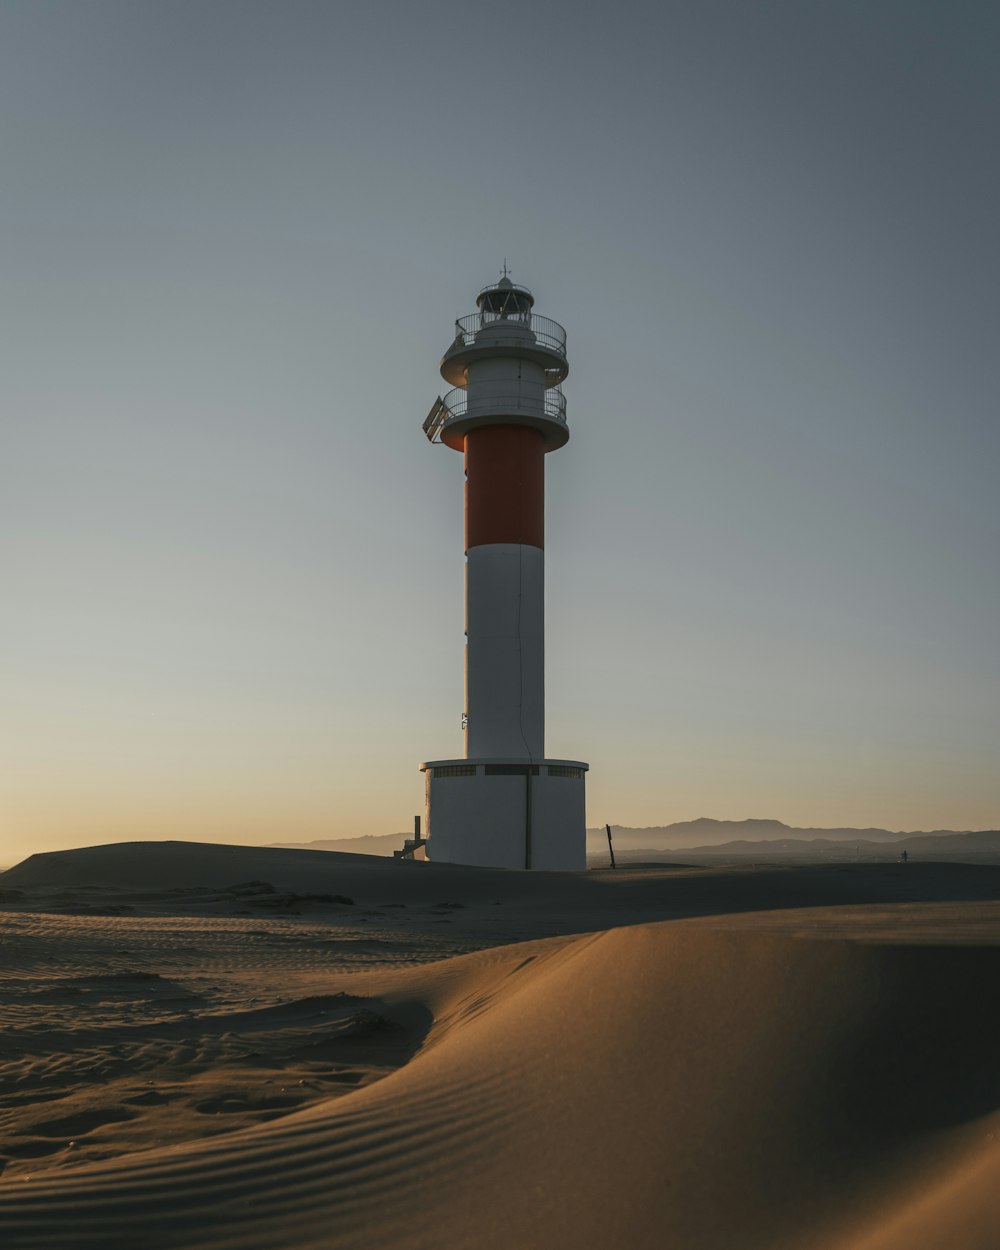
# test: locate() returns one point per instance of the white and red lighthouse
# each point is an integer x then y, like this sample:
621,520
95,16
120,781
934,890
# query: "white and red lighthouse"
504,805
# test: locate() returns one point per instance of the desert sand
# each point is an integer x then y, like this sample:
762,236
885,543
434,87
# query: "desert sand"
214,1047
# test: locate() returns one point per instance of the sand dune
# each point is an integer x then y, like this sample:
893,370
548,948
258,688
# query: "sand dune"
753,1080
599,897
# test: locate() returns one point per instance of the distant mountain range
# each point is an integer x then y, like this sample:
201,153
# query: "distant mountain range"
733,839
709,841
370,844
708,832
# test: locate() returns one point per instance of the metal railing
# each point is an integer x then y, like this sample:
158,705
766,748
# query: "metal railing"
546,332
550,403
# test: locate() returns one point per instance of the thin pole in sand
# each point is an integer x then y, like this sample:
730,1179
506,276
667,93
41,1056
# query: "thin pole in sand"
610,847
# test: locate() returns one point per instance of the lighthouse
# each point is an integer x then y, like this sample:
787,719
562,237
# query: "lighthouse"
504,804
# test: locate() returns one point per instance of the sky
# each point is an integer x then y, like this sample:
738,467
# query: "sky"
234,238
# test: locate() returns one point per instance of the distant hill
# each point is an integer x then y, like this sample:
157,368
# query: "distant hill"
370,844
980,847
980,840
705,832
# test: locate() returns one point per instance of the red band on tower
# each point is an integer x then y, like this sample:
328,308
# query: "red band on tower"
504,486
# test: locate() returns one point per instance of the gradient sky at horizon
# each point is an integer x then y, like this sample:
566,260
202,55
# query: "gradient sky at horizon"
234,238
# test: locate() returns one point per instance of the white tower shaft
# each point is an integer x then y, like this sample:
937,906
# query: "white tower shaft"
505,650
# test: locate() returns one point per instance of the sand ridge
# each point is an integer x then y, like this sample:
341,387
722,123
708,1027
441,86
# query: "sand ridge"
693,1083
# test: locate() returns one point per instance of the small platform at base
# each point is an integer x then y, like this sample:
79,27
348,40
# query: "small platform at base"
506,813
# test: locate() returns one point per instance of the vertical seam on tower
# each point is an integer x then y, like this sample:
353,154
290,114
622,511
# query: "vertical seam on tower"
520,598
